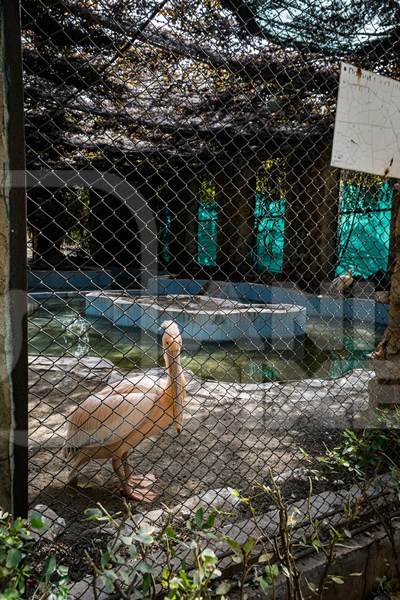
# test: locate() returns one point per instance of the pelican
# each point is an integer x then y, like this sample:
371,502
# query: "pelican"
341,283
109,424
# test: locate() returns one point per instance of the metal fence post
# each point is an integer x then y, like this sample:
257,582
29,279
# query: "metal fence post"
13,346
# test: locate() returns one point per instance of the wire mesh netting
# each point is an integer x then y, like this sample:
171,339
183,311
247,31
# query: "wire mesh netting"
204,289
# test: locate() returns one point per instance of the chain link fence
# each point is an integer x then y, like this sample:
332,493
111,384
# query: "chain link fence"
179,159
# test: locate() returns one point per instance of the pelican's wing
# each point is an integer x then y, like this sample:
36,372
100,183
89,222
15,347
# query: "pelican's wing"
141,383
97,423
133,384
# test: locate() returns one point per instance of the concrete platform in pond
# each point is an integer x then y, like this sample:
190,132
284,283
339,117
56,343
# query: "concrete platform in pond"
203,318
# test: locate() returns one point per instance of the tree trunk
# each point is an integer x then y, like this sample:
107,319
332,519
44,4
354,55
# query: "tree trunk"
311,219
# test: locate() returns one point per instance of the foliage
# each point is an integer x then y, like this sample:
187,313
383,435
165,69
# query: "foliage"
207,192
271,180
191,570
181,558
370,458
17,576
128,567
77,204
220,76
360,26
375,450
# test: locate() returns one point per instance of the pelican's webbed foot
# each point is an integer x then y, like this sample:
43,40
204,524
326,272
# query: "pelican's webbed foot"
138,488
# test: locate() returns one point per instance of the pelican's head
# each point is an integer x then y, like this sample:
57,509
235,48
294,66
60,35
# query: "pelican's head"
171,339
172,345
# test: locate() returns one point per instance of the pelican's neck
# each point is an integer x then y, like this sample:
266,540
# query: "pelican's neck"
175,387
174,371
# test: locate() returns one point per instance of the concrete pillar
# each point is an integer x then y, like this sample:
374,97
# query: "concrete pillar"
48,227
114,237
13,359
311,218
328,218
235,194
183,191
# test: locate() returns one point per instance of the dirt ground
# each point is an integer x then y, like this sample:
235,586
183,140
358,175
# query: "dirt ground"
233,434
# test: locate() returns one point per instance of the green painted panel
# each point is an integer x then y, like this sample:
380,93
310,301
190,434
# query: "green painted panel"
207,234
269,229
364,229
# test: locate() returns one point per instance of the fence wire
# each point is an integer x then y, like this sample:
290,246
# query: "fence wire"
215,275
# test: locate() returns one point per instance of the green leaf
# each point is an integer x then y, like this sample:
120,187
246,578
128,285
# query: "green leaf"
49,567
264,584
14,557
144,567
125,574
209,524
265,558
233,544
337,579
208,555
198,517
223,588
171,533
126,539
216,573
105,559
143,538
118,559
236,559
248,545
10,594
317,545
18,525
132,551
108,578
37,520
94,514
62,571
146,582
272,571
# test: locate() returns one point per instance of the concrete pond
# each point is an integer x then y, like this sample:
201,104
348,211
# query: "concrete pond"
202,318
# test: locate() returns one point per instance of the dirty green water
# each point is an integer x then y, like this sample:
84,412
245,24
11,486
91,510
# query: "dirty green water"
60,328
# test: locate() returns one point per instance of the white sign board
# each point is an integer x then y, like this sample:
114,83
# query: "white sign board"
367,127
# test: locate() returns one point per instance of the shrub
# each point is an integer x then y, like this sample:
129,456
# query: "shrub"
18,578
